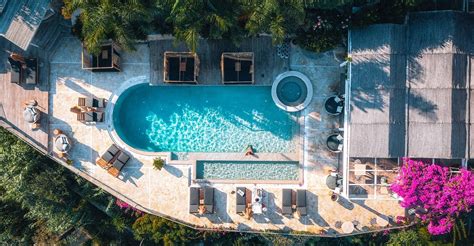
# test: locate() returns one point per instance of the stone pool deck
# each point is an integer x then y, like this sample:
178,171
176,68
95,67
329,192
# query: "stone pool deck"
166,192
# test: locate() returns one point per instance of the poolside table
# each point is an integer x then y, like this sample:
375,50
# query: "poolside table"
334,105
257,201
334,143
347,227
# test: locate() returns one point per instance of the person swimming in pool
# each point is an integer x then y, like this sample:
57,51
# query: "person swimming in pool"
249,150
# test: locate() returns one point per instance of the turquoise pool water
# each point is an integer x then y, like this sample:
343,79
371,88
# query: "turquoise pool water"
203,119
247,170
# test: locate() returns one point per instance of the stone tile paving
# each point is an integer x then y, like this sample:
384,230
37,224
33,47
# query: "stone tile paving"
166,191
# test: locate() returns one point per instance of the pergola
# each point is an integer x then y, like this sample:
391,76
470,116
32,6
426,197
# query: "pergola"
108,60
237,68
181,67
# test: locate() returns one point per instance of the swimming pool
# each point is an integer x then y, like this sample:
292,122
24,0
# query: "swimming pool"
203,119
247,170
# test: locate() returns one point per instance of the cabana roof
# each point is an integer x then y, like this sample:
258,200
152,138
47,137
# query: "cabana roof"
410,87
181,67
108,60
237,67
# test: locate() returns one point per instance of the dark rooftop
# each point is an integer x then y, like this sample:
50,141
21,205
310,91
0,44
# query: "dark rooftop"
19,20
411,86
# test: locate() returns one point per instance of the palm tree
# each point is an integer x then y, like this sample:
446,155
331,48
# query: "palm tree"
111,19
276,17
213,19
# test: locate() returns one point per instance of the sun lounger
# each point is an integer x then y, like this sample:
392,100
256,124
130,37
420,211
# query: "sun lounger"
106,159
240,201
30,73
98,103
193,200
89,102
89,117
286,203
84,117
209,199
97,116
81,101
301,202
118,164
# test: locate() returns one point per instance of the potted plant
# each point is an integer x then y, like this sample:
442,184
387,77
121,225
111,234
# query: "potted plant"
158,163
334,197
69,161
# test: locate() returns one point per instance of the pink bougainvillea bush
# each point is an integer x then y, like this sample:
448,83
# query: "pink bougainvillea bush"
125,206
437,196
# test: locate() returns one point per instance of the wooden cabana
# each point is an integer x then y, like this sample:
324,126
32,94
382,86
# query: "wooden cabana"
108,60
237,68
181,67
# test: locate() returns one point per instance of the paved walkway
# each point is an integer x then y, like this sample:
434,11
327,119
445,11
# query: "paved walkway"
167,191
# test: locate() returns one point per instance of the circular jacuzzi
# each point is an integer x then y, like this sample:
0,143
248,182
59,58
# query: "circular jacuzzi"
292,91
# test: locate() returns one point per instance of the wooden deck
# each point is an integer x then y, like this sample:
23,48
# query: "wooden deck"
266,67
13,96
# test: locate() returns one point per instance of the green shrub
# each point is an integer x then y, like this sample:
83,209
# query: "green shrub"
322,30
158,163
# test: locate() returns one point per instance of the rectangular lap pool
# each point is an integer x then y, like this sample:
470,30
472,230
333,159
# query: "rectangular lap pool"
248,170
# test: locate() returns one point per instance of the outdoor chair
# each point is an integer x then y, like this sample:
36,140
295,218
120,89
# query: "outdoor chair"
85,117
14,71
91,102
106,159
286,204
193,200
118,164
30,73
240,200
301,202
209,199
89,117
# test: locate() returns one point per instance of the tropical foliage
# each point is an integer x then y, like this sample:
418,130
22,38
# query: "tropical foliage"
437,196
158,163
40,200
123,21
316,25
275,17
